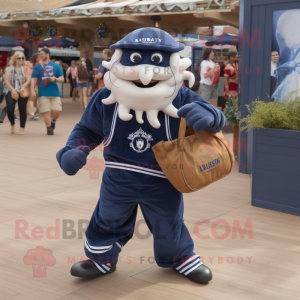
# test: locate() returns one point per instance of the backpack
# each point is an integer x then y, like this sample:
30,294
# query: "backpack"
83,73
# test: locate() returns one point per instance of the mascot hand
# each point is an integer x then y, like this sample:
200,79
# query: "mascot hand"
196,116
73,160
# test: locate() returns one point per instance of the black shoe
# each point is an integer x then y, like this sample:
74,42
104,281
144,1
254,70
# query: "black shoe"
88,269
50,131
201,274
16,118
53,125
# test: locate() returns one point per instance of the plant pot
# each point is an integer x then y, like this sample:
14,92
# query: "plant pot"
275,170
236,133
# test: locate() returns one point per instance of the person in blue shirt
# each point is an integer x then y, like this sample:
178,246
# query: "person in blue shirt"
107,54
141,105
47,74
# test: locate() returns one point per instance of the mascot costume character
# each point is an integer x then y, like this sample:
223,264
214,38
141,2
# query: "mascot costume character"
140,105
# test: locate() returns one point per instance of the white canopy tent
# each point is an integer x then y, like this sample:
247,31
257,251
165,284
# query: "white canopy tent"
115,7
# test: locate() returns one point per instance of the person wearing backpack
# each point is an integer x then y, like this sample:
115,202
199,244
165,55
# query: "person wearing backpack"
82,77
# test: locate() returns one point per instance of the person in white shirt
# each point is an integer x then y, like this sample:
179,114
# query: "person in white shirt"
209,90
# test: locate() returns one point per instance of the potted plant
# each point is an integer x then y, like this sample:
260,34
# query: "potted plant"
275,153
232,113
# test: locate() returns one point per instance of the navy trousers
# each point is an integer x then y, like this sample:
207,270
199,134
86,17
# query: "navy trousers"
112,223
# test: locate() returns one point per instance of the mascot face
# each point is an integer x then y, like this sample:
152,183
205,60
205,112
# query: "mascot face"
145,80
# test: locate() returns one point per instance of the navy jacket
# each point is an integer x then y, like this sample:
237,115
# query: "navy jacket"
127,144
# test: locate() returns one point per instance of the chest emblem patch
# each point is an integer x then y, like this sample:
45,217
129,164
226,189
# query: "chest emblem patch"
140,141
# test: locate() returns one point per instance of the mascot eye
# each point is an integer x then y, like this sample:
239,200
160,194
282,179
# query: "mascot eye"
157,58
135,57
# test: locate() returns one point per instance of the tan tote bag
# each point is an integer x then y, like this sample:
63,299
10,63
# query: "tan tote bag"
194,160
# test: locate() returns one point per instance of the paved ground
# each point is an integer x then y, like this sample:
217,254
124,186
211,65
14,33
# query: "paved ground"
262,263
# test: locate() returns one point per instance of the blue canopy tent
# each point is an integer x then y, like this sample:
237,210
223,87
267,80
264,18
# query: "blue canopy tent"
10,42
224,39
59,42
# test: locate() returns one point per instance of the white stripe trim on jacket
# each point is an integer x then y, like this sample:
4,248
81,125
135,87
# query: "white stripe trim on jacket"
135,169
112,128
167,123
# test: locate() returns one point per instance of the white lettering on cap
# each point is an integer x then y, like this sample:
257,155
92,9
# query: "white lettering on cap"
148,40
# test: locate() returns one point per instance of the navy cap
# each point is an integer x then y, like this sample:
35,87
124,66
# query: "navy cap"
149,38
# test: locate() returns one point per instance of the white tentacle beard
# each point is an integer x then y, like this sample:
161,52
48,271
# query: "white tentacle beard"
150,100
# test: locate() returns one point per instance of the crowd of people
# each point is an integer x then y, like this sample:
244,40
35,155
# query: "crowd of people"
36,86
210,75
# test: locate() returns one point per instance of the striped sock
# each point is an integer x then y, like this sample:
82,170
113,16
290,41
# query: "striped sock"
189,265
